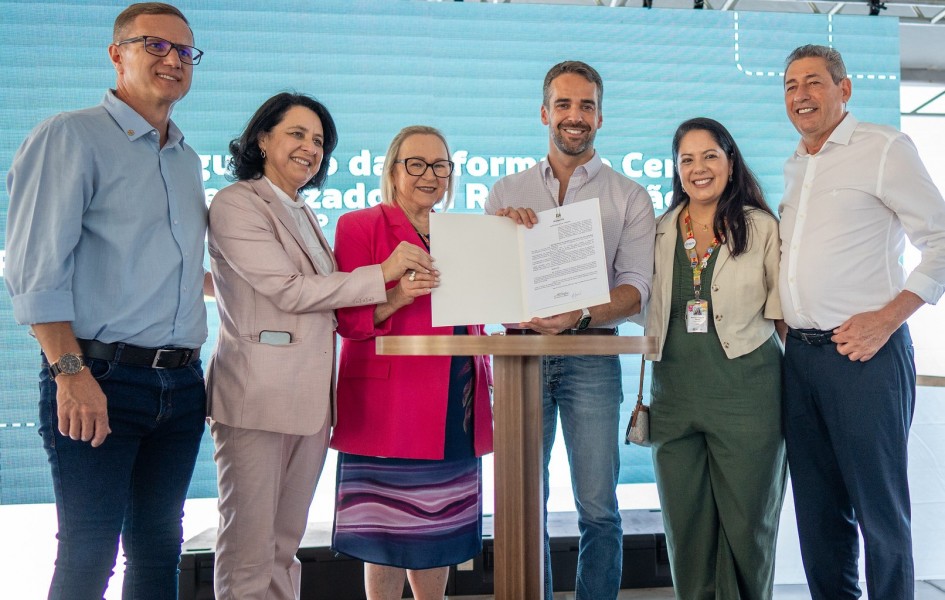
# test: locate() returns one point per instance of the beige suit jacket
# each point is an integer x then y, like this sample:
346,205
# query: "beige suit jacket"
266,280
744,294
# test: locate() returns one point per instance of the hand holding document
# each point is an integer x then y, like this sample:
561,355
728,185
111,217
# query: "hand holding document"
494,271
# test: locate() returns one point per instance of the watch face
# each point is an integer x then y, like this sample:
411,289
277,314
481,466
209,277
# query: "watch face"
69,364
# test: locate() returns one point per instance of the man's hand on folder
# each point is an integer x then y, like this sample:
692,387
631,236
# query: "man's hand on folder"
522,216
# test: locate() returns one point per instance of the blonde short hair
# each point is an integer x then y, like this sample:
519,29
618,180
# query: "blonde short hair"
387,175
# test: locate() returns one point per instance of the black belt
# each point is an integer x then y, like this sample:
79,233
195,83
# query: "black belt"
136,356
589,331
812,337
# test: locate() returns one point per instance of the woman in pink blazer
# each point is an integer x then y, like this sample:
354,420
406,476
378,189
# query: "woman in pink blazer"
410,429
269,381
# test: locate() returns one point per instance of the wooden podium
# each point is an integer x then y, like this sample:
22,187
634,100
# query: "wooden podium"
519,502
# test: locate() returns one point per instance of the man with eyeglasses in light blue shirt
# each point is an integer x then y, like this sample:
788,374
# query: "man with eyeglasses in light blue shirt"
105,243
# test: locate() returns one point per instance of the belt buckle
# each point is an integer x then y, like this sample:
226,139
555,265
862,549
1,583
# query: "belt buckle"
157,357
815,339
185,355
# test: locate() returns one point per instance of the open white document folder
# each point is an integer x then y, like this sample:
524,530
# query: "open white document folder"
494,271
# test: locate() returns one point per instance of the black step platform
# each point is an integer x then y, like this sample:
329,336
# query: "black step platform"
325,575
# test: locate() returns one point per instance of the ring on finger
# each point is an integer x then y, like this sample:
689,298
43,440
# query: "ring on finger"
413,276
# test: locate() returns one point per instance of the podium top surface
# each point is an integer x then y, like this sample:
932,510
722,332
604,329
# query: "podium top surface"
517,345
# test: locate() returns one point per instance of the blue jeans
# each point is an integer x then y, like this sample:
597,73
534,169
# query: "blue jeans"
586,391
132,486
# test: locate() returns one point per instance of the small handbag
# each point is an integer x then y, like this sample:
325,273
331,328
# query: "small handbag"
638,429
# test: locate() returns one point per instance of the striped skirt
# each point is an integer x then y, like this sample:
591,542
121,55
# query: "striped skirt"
412,514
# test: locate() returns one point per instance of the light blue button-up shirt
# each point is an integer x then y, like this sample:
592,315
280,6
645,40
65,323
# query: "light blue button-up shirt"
106,229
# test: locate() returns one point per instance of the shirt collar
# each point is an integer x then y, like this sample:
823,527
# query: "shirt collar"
587,170
296,203
133,124
842,134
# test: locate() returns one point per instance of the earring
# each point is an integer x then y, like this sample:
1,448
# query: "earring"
263,152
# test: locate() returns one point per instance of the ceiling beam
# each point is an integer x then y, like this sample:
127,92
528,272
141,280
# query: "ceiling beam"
922,76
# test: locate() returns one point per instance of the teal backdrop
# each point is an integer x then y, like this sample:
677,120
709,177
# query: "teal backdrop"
474,70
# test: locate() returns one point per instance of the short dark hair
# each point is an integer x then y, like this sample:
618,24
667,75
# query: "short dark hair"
248,162
741,192
579,68
127,16
831,56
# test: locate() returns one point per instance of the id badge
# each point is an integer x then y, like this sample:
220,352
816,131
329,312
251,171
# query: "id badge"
697,316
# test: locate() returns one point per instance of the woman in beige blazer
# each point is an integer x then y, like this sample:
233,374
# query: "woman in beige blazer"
270,381
715,418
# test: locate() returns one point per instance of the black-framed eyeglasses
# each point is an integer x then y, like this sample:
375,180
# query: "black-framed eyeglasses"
161,47
416,166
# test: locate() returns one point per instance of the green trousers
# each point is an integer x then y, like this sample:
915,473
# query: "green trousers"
720,466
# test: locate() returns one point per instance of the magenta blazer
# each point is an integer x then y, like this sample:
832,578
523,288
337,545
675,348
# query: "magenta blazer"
395,406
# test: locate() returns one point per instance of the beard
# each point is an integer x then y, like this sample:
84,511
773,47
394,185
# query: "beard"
572,147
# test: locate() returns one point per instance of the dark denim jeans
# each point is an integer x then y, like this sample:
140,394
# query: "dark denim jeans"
132,486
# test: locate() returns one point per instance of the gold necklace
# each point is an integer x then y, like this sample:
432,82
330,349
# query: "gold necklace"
703,225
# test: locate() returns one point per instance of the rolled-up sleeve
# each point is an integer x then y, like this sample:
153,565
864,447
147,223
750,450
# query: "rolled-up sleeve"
633,262
907,189
50,186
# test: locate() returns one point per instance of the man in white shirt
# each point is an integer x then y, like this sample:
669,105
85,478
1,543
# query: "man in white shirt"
853,192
